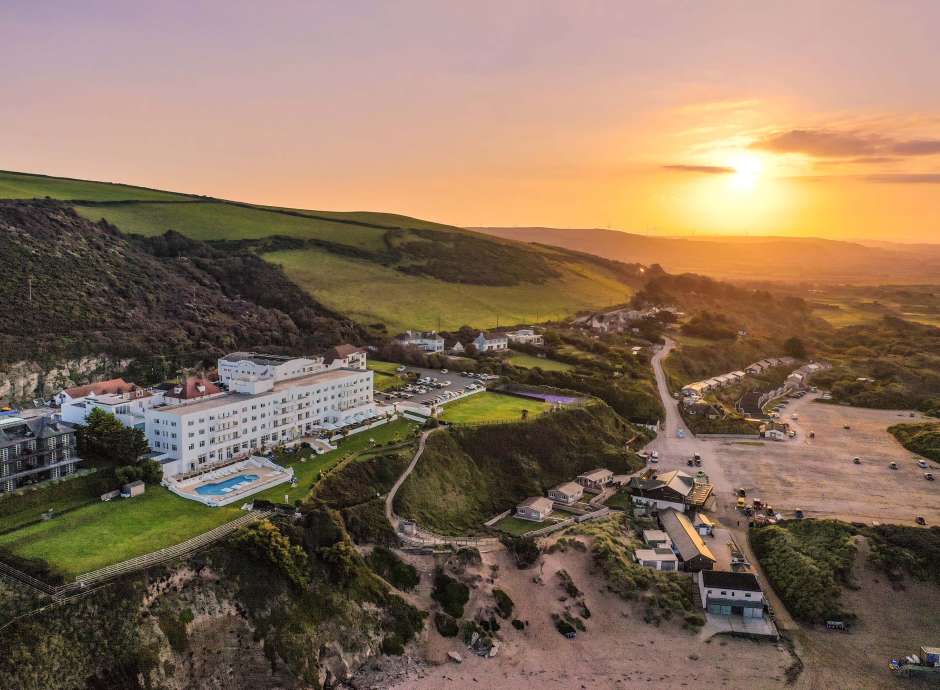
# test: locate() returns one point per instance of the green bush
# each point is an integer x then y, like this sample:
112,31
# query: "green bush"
264,541
449,593
393,646
388,565
504,603
446,625
807,562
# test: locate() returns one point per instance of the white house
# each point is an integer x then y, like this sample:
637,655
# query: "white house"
754,369
526,336
270,401
491,342
458,348
108,387
567,493
429,342
725,593
660,558
595,480
129,408
536,509
703,524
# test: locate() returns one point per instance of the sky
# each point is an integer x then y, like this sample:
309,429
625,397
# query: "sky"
799,118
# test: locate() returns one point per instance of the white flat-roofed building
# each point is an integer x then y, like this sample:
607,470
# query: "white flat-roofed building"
270,401
129,407
526,336
429,342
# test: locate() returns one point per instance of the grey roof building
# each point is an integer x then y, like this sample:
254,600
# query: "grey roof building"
35,449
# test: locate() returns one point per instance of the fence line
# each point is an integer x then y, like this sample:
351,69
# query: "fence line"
110,572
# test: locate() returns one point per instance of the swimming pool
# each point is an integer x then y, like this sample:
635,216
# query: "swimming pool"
227,486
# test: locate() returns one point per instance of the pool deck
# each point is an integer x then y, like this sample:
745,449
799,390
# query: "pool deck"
268,476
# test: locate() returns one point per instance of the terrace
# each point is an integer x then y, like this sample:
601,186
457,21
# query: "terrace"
234,482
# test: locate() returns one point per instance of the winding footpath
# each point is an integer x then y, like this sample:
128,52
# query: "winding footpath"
421,536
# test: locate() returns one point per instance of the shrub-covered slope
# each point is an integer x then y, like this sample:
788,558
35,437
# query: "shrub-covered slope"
467,475
73,287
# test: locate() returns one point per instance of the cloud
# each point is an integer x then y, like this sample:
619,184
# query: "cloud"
828,143
707,169
904,178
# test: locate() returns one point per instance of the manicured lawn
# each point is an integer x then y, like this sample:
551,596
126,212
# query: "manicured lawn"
530,362
307,466
385,376
369,293
104,533
619,501
491,407
517,526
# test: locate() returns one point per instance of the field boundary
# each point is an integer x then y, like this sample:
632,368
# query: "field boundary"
110,572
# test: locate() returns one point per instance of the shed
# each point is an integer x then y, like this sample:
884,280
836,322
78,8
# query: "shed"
133,489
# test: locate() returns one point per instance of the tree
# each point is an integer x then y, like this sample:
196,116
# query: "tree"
795,348
105,440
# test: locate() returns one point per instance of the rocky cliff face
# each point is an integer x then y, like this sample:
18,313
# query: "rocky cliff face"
25,381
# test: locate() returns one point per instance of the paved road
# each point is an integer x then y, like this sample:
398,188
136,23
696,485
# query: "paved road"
674,453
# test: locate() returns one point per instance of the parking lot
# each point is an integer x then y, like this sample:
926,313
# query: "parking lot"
451,382
818,474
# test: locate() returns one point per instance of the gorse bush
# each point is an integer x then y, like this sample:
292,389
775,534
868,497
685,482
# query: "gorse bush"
807,563
450,594
389,566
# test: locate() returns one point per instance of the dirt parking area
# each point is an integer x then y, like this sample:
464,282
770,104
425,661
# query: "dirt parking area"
818,475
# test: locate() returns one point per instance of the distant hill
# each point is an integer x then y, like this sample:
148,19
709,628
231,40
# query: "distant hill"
749,258
386,271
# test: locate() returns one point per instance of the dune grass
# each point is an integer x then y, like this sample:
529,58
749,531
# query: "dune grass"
370,293
491,407
521,359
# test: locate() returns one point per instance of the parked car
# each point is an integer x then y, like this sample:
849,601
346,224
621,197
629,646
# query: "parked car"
690,462
798,513
443,371
846,427
920,520
680,433
655,455
922,464
400,369
812,434
857,461
893,465
928,476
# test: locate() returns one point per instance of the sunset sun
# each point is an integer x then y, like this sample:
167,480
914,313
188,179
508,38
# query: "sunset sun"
748,169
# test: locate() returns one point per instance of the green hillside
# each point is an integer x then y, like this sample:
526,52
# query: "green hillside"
377,268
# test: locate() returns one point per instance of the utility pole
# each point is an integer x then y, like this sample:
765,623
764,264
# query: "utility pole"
29,287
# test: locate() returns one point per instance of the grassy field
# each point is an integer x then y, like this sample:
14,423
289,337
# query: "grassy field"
104,533
99,534
517,526
491,407
307,466
217,221
400,275
521,359
384,375
21,186
370,293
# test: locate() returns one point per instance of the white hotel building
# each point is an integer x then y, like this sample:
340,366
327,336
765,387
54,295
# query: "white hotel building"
271,400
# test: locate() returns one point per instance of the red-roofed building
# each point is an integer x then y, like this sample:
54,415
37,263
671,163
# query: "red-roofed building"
109,387
191,388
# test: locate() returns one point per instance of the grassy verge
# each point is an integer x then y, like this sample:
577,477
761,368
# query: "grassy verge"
517,526
530,362
384,374
492,407
308,467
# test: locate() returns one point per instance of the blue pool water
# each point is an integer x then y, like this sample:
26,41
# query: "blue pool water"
227,486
